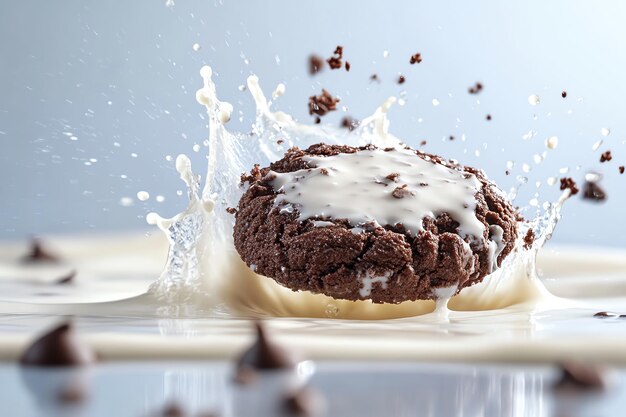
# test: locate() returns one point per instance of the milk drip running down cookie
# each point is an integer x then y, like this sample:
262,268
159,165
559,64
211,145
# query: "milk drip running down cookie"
389,225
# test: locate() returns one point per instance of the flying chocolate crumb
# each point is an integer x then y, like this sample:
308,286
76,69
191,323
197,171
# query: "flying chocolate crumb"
476,89
38,253
231,210
564,94
255,175
401,79
450,137
317,120
322,104
422,143
569,183
264,355
401,192
335,61
605,314
488,117
349,123
67,279
348,66
316,64
415,59
374,77
621,169
593,192
529,238
606,156
579,376
304,402
58,347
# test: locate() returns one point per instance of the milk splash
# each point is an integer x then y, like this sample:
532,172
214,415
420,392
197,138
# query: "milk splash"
204,271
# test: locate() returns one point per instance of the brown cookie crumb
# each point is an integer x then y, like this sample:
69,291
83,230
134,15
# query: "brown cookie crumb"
488,117
606,156
316,64
621,169
66,279
415,58
529,238
374,77
401,79
255,175
563,93
349,123
422,143
280,141
322,104
476,89
335,61
393,176
348,66
605,314
402,192
231,210
593,192
569,183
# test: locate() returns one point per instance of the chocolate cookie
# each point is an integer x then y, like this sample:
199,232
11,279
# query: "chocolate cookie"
390,225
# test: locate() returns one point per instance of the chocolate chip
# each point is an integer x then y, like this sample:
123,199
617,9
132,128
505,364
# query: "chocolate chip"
606,156
304,402
476,89
621,169
580,376
605,314
265,354
593,192
401,79
415,59
488,117
322,104
58,347
569,183
563,93
316,64
374,77
402,192
67,279
38,253
335,61
349,123
348,66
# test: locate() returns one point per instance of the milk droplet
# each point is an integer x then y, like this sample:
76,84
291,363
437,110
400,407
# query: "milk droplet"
435,102
510,164
152,218
552,142
159,198
529,135
196,148
563,170
605,131
385,54
537,159
597,145
279,91
196,47
526,168
126,201
169,158
143,195
551,181
533,99
593,176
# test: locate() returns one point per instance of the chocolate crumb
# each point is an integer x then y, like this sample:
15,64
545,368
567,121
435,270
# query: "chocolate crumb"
316,64
621,169
38,253
255,175
569,183
173,410
476,89
415,59
402,192
349,123
488,117
580,376
280,141
323,171
374,77
422,143
606,156
72,395
563,93
507,172
304,402
58,347
347,66
450,137
529,238
593,192
265,354
393,176
605,314
322,104
67,279
231,210
317,120
401,79
335,61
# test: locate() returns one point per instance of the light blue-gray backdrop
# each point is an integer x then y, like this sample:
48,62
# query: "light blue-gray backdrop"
120,77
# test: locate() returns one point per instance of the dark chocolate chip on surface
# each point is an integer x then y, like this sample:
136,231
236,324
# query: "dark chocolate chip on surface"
569,183
264,354
322,104
58,347
592,191
316,64
581,376
38,253
304,402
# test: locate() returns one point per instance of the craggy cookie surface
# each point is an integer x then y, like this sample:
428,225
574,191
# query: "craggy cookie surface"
390,225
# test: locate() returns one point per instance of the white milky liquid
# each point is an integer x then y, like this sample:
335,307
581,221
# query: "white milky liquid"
202,301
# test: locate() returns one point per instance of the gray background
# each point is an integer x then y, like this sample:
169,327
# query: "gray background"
121,77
